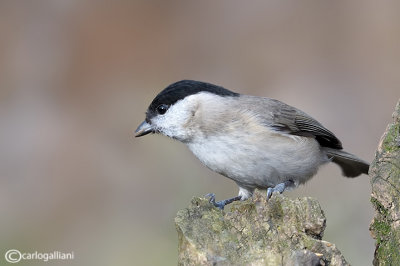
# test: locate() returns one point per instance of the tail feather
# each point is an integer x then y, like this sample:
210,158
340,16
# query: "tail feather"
351,165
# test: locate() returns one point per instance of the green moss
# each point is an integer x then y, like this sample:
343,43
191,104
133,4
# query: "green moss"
387,235
379,207
389,144
381,229
276,210
309,243
387,252
387,245
243,207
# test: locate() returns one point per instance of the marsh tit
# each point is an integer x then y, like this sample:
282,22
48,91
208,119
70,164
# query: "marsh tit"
257,142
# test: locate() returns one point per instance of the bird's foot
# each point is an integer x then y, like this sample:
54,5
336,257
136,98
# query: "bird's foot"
279,188
221,204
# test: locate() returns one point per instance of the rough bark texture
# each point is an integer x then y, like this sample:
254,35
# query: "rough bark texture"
385,181
281,231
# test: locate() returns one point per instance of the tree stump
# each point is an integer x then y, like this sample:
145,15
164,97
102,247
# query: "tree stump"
385,182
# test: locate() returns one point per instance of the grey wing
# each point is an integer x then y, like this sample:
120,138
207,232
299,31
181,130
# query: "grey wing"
293,121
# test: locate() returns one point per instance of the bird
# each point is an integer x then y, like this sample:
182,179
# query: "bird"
257,142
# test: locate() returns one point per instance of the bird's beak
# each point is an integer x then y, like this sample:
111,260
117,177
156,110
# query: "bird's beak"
143,129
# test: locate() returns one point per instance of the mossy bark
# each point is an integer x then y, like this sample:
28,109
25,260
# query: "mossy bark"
385,181
281,231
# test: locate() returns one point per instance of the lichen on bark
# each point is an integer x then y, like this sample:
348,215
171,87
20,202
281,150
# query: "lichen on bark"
385,182
281,231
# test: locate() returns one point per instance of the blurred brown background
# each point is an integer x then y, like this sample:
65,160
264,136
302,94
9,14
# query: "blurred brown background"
77,76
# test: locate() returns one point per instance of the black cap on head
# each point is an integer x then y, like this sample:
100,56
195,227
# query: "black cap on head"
179,90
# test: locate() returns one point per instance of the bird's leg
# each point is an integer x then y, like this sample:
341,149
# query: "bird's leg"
279,188
221,204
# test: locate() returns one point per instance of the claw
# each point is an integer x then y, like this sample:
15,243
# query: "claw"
212,198
220,204
269,193
279,188
209,195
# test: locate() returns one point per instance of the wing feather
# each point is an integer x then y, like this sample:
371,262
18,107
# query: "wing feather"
293,121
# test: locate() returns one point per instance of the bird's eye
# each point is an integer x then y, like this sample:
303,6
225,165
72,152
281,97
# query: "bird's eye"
162,108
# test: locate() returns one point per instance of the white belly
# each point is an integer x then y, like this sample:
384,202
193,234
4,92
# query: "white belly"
263,160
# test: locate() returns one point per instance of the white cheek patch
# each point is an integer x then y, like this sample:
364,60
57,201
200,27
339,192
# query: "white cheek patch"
172,123
176,122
